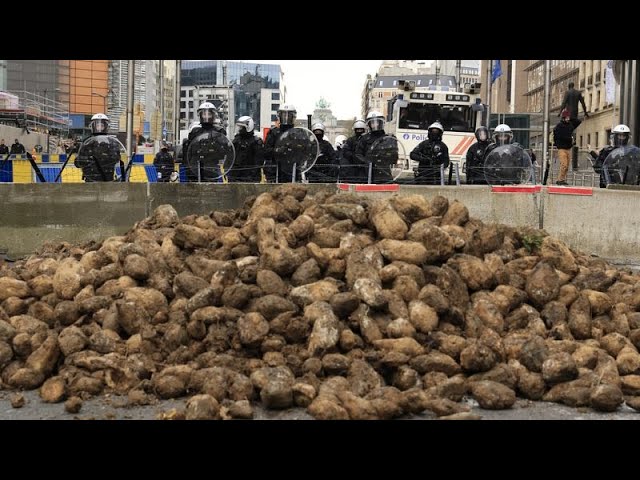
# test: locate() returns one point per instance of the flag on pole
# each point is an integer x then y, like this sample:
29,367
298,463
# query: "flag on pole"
496,71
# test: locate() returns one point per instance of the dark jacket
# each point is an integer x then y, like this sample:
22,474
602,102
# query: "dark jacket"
348,172
17,148
562,135
430,154
4,149
475,162
249,158
270,163
98,159
192,170
598,164
363,147
164,165
570,101
326,167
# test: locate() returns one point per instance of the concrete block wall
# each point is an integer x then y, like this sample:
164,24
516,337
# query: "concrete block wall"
600,222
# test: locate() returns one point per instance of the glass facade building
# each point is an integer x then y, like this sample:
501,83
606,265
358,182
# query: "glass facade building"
246,79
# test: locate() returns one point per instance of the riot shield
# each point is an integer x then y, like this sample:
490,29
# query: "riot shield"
622,166
210,156
508,165
98,156
384,159
295,153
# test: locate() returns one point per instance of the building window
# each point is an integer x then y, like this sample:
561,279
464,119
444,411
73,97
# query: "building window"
191,93
597,101
273,117
183,115
183,104
597,139
190,103
580,141
591,101
588,140
275,106
275,95
607,133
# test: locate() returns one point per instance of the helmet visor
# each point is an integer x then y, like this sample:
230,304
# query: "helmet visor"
287,117
99,126
376,124
241,128
207,116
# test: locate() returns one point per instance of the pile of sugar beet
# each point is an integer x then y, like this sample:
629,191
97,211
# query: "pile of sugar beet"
350,307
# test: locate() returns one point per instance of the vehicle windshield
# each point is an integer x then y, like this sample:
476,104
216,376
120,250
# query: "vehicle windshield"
454,118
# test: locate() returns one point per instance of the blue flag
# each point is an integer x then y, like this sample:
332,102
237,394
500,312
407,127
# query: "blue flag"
496,71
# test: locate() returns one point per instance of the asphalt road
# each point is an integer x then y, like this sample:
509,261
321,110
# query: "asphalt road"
115,408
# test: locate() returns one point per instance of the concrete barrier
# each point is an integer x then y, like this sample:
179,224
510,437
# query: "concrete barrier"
32,214
604,222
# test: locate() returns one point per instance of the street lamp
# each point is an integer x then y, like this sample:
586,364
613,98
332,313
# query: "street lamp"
104,100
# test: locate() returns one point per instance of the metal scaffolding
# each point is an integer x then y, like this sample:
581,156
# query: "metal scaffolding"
35,112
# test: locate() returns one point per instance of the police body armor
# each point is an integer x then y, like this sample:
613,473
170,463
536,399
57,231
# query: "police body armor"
210,156
508,164
622,166
98,156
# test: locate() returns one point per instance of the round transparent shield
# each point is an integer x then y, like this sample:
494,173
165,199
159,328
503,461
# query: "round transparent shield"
296,148
508,165
387,158
100,154
210,156
622,165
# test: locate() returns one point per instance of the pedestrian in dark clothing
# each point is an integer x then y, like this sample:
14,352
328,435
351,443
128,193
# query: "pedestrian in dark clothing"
17,148
164,163
3,148
570,102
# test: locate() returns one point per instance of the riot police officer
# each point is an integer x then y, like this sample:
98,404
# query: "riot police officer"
431,153
208,114
375,122
325,168
349,172
99,153
510,164
164,163
475,157
249,152
287,117
620,136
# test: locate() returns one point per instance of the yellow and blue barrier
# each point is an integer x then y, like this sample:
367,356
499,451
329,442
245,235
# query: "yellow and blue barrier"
17,169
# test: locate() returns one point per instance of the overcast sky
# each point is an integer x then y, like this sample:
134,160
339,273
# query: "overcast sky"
340,82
